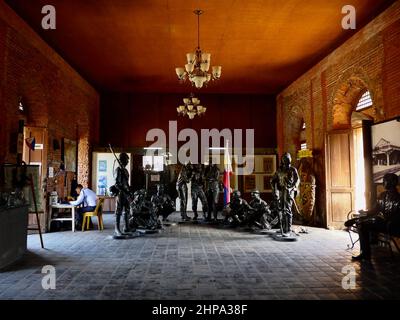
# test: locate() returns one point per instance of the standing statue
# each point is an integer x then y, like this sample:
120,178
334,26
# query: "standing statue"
212,176
236,210
123,197
181,185
260,216
198,192
284,188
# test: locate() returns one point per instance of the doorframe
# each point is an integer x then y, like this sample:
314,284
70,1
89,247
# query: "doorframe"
328,172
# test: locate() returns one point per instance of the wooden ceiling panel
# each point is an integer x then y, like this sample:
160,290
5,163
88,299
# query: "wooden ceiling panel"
262,45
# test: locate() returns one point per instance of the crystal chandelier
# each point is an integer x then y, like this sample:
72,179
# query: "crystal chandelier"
198,64
191,107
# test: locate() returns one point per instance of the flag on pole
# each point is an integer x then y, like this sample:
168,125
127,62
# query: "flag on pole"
30,142
227,173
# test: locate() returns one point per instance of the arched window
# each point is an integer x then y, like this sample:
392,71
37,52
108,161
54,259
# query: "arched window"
303,142
365,101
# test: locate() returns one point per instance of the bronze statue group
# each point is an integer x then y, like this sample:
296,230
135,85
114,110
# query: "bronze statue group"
141,212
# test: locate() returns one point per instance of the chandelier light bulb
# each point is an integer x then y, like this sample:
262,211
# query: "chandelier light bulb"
191,58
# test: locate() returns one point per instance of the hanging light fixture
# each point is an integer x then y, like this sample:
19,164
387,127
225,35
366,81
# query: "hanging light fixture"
198,64
191,107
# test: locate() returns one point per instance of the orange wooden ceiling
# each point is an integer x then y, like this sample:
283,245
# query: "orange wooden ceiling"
124,45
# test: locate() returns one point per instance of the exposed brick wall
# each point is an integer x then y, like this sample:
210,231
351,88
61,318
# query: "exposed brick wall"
325,95
56,96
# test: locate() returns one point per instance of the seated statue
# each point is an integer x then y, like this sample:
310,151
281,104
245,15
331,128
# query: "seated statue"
143,212
237,210
385,217
163,203
259,216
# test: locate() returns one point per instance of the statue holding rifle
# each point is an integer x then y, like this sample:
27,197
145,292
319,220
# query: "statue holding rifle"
123,193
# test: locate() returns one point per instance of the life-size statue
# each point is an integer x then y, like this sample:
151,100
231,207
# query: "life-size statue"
212,175
163,203
385,217
237,210
260,215
284,189
197,191
123,196
143,212
181,185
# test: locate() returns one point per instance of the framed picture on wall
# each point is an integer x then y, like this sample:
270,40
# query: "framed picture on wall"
385,149
102,165
269,164
102,185
69,154
250,183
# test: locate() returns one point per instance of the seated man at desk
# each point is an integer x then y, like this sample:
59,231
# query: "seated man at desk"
88,199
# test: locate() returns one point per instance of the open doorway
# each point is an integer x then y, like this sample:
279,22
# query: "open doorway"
348,163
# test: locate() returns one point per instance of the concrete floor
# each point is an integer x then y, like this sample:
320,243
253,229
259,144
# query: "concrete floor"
190,261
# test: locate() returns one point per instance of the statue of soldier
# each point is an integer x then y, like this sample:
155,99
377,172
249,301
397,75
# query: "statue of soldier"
123,196
181,185
198,192
237,209
260,215
163,203
143,212
212,175
284,189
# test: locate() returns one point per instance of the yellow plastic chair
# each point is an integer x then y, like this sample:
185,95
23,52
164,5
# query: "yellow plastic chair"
98,212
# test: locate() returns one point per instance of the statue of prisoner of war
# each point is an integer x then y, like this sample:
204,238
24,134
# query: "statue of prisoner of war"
236,210
182,188
197,191
123,194
284,189
212,175
260,215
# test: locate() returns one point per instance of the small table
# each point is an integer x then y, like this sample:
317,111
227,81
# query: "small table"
63,206
109,203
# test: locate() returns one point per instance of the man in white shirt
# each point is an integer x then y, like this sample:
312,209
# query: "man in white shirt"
87,198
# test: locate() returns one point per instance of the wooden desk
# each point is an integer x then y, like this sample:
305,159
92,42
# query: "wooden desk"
63,206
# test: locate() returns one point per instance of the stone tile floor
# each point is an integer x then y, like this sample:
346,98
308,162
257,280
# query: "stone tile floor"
198,261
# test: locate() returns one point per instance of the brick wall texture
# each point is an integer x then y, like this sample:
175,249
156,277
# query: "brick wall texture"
326,95
56,96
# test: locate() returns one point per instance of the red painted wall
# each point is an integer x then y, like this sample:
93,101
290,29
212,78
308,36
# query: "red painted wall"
126,118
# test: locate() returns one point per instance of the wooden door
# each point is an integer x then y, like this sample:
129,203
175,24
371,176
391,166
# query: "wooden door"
37,157
340,177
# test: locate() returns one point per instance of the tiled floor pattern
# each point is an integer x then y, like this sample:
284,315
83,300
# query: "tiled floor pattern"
190,261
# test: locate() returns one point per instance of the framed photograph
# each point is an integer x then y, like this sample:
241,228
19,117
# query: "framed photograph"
269,164
102,185
250,183
385,149
102,165
69,155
